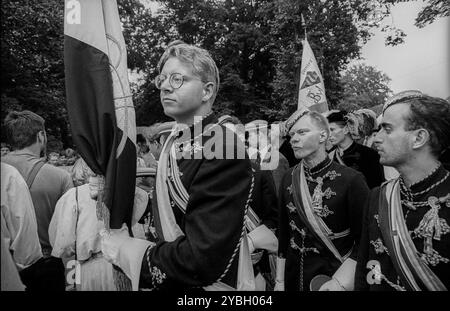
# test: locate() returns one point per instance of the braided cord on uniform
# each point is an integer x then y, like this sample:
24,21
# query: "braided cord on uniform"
243,229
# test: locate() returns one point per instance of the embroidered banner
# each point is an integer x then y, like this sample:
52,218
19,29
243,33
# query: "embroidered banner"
311,91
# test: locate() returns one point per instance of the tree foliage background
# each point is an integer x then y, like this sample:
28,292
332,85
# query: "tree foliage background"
257,45
32,61
363,87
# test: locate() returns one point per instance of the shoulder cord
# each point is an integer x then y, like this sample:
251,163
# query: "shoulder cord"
242,232
76,226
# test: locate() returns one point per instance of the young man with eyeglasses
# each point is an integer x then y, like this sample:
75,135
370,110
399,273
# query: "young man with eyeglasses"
405,240
200,201
47,183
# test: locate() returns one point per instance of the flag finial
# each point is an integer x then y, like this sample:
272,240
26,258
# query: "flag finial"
303,23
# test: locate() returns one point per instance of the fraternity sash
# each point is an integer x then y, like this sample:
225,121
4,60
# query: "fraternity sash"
167,223
165,189
412,270
303,203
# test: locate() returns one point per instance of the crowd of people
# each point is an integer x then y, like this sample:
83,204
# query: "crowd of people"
334,201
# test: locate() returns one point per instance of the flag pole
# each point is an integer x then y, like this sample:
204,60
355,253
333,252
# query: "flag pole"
304,25
304,28
100,107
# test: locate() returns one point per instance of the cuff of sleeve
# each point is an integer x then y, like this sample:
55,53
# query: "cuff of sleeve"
281,262
251,246
131,255
263,238
345,274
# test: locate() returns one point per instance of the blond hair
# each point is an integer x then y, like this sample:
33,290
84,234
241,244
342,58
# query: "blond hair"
200,59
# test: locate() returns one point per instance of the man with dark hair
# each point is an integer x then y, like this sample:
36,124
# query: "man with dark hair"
405,241
321,207
26,134
352,154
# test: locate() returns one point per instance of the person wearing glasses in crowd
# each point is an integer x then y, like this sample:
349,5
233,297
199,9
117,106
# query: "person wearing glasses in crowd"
405,239
201,198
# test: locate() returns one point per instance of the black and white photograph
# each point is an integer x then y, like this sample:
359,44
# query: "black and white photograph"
227,153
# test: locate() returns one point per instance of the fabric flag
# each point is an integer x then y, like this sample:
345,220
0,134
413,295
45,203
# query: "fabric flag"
99,103
311,92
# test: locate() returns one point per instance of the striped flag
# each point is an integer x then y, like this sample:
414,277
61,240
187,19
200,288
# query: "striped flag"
99,103
311,93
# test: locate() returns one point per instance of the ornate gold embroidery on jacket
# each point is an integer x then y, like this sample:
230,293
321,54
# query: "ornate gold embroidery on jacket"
379,246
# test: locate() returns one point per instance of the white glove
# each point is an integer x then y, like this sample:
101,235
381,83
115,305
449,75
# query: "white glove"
112,240
279,286
279,281
331,285
263,238
343,279
124,251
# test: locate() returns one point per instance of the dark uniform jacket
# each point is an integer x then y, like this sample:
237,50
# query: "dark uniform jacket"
345,192
212,224
373,250
278,172
366,161
264,203
445,159
264,199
